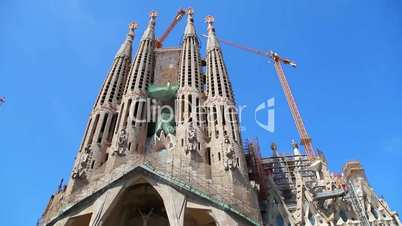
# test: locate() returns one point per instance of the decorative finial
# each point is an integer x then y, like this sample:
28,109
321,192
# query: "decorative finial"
274,147
295,147
294,144
153,14
132,26
210,21
190,11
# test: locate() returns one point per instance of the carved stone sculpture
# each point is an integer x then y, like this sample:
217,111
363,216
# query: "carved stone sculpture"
122,143
80,168
191,139
230,157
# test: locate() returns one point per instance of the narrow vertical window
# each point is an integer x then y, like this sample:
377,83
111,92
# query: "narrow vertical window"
93,130
208,156
135,113
120,116
112,127
100,136
86,132
127,113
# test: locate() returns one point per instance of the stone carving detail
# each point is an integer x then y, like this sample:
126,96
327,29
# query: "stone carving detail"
121,143
230,155
191,138
145,217
163,141
80,169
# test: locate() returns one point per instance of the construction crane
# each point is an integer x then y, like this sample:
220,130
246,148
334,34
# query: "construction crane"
180,13
278,61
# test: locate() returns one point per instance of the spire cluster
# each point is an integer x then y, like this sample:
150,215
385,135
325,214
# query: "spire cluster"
206,120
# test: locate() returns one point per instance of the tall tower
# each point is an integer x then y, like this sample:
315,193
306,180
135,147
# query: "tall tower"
133,171
189,168
228,165
102,121
132,125
190,98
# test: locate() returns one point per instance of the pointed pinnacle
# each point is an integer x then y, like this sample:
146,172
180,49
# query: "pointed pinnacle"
149,31
212,41
132,26
153,14
190,30
190,11
210,22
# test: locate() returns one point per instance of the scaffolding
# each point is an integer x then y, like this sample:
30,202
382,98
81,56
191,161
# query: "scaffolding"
357,205
283,172
257,172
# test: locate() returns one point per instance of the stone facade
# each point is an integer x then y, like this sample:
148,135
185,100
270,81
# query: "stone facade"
137,167
163,147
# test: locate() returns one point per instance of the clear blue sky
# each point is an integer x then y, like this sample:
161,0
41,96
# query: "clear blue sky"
54,56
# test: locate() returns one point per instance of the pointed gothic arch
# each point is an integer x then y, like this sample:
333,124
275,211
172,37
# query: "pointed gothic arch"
81,220
199,217
138,204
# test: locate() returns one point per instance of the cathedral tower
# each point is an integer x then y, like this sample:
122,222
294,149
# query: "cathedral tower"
227,156
100,129
132,124
161,148
189,102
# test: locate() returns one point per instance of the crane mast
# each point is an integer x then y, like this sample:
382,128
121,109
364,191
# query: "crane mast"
180,13
301,129
305,138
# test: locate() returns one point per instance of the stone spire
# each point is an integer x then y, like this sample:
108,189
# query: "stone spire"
131,129
189,30
112,89
142,69
149,32
102,121
190,99
218,81
125,49
223,125
212,39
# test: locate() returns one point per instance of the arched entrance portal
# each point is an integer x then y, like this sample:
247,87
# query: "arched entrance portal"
82,220
198,217
139,205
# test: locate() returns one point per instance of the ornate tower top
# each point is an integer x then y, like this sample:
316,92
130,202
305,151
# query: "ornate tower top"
212,40
190,30
210,21
149,32
132,26
125,49
153,14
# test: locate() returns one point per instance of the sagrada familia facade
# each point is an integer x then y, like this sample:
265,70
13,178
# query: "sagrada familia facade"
163,147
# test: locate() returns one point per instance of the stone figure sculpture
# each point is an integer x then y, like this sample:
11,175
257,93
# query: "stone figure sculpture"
122,143
80,168
229,155
191,139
